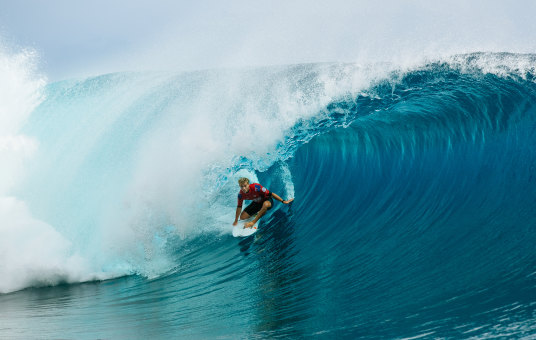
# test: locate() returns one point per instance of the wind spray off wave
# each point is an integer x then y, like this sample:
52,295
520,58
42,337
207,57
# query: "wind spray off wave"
32,252
122,158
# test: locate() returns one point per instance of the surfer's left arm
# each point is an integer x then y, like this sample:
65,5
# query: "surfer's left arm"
277,198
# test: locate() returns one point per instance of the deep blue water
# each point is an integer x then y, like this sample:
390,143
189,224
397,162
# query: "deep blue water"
414,212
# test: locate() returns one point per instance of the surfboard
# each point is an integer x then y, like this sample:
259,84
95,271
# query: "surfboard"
240,231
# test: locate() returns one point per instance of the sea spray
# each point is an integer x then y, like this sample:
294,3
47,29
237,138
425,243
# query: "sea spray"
127,160
32,252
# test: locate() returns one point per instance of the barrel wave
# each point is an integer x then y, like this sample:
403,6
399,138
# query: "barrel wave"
425,203
414,187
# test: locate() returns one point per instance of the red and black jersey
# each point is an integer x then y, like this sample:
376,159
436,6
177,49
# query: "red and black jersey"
256,193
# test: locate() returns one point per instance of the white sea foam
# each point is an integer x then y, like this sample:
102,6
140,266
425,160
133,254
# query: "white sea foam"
152,154
32,252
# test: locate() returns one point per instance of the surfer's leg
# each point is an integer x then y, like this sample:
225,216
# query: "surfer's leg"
266,205
250,210
263,208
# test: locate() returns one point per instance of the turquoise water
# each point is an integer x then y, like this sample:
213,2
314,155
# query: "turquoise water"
413,216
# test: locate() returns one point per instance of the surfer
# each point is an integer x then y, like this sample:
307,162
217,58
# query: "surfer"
262,201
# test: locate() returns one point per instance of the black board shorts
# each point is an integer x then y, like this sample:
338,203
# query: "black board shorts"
255,207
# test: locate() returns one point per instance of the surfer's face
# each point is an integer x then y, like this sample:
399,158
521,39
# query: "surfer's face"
244,187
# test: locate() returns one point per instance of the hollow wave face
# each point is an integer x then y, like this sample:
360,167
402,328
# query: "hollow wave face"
425,202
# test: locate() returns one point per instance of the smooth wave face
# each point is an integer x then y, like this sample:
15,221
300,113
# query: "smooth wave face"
425,204
415,193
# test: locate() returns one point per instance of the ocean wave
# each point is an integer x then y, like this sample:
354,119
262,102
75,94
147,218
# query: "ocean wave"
120,164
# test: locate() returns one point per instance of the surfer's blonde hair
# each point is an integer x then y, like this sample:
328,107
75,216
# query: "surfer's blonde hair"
243,180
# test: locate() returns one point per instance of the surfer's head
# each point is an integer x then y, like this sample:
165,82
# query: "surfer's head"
243,182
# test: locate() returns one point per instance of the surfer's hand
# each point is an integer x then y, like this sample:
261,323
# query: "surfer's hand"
249,225
235,222
288,201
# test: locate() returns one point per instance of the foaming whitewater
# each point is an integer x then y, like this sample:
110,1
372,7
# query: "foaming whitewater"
413,213
32,251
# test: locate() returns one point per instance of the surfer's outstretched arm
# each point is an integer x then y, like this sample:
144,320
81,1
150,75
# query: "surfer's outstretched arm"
265,206
277,198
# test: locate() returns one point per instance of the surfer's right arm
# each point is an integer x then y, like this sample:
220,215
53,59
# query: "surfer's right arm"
238,207
238,211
